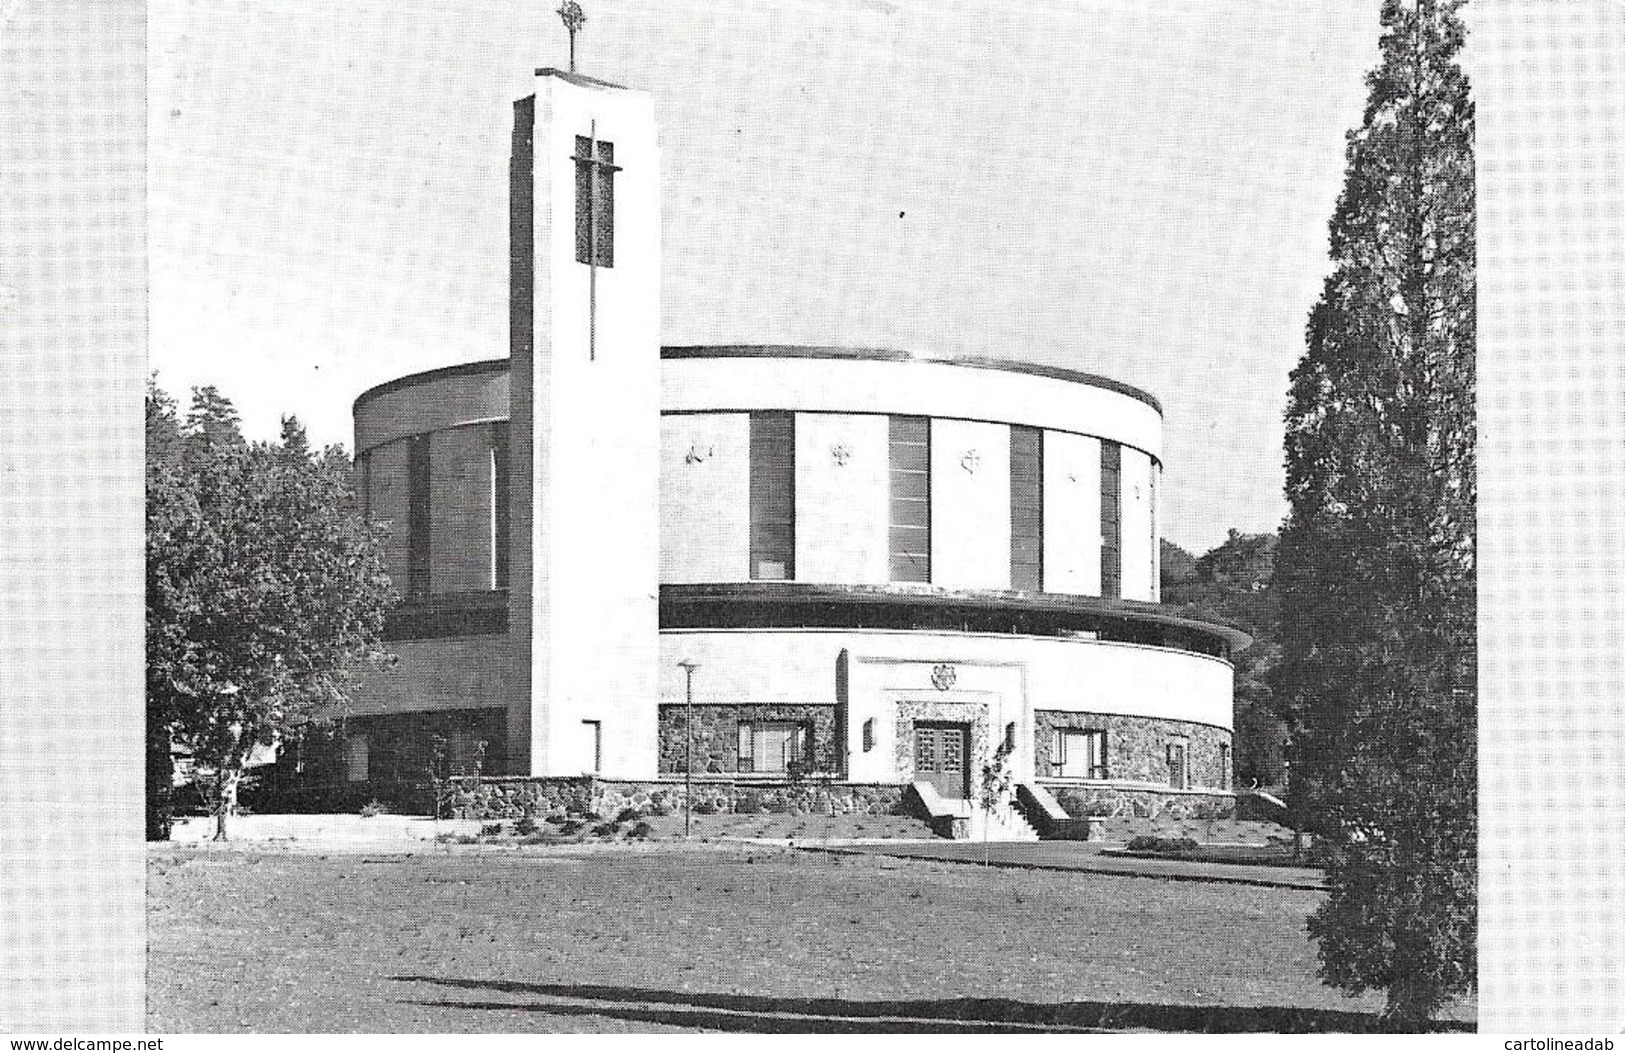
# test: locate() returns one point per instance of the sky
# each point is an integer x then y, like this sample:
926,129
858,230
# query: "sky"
1137,190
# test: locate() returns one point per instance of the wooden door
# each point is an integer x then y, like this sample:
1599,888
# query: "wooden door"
942,757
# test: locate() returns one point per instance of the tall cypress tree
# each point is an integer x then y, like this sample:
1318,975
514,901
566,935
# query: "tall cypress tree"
1376,570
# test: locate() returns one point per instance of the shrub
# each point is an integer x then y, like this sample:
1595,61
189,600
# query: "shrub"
660,808
525,826
1162,845
642,830
779,806
606,829
748,804
570,827
374,807
627,815
490,829
557,819
706,807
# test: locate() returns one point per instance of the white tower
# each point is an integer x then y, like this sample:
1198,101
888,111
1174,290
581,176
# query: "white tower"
585,345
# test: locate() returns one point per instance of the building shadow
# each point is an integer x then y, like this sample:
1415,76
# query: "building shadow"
766,1014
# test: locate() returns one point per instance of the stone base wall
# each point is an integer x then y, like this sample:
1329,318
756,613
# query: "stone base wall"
508,798
715,736
1081,802
1136,747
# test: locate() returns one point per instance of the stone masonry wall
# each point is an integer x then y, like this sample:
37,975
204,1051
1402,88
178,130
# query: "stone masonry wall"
1136,747
715,735
505,798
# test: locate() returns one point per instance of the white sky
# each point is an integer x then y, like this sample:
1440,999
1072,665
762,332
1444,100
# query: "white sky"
1140,190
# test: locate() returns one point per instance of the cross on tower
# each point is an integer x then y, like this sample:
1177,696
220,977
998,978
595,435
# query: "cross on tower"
574,18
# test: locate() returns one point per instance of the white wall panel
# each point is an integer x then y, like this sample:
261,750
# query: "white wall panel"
1071,514
704,497
918,388
970,505
842,498
1136,532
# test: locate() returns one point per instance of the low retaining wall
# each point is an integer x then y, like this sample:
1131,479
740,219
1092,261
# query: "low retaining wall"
1113,802
498,797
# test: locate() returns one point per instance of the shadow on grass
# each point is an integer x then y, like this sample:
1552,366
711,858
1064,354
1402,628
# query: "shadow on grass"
760,1014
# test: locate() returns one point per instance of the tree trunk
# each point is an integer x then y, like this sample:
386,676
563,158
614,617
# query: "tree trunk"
225,785
1411,1002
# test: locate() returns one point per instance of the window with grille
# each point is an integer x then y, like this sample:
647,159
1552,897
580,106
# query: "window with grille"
499,505
910,470
772,746
1079,754
1178,770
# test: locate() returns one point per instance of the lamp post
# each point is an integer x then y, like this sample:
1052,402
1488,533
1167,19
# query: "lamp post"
688,666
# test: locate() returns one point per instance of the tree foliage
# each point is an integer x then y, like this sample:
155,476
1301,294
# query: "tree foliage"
1376,570
1231,583
265,586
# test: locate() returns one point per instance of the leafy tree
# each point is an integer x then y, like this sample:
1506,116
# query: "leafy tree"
1231,584
1376,570
265,586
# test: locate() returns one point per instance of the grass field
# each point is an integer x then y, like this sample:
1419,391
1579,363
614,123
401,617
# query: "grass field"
731,938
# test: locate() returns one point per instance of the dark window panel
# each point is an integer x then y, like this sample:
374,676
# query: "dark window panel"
1111,562
1026,509
909,458
772,496
500,511
417,517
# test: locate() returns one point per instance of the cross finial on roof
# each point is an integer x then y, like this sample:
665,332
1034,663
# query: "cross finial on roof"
574,18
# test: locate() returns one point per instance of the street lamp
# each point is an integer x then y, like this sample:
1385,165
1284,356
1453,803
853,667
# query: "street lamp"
688,666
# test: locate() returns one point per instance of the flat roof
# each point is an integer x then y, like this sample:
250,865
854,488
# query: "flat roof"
851,354
887,354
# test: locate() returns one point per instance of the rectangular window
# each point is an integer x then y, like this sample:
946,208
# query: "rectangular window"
772,496
771,747
1178,773
1224,765
595,201
417,517
1111,519
910,460
355,758
1026,509
499,505
1079,754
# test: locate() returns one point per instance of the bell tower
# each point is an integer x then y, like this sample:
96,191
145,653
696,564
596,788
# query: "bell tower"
584,316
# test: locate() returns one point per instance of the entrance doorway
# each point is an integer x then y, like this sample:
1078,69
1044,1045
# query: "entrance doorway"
942,757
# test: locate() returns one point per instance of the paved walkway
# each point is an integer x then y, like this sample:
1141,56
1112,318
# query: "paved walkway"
1087,857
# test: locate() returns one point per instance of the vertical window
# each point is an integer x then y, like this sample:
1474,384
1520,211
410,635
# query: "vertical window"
1224,765
869,734
592,740
355,758
417,517
595,201
364,464
499,505
1178,774
747,751
910,499
772,496
1111,519
1079,754
1026,509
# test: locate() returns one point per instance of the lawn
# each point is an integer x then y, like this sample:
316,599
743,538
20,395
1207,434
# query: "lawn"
630,937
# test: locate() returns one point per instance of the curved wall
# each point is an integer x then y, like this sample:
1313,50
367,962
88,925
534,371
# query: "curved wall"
878,678
443,432
1094,452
